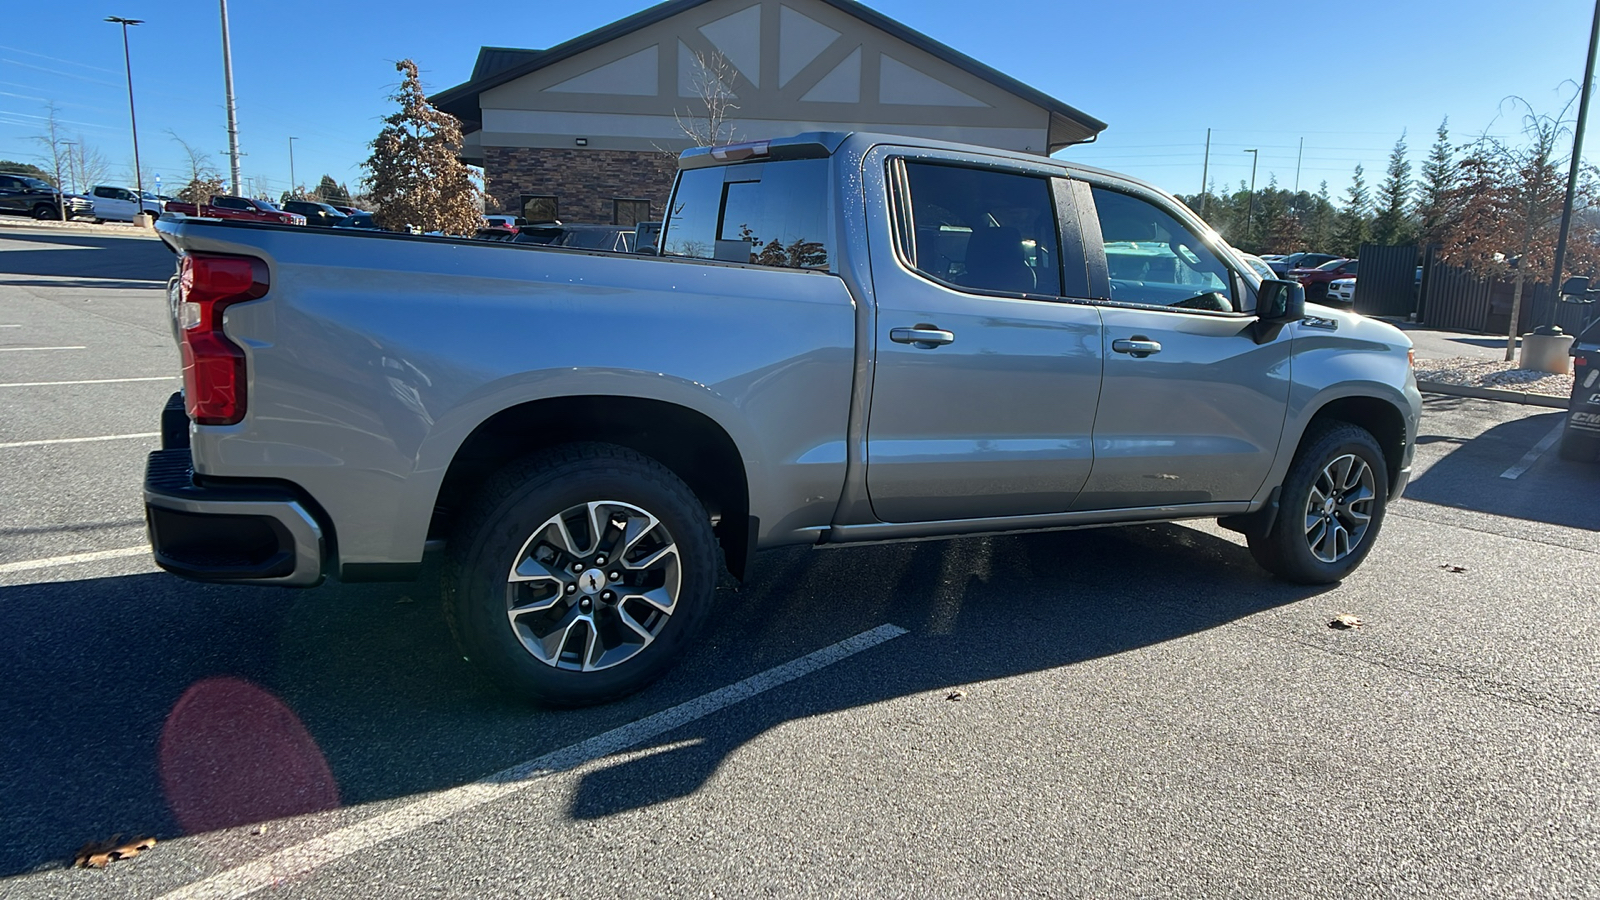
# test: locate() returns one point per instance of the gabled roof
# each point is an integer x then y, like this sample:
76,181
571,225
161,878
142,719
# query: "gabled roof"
498,65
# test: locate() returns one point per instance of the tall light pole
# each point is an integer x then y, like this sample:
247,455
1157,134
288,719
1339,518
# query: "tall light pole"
1249,215
133,122
233,118
292,183
1550,326
1205,170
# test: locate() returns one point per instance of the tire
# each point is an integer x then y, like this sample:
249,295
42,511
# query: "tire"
577,641
44,211
1337,486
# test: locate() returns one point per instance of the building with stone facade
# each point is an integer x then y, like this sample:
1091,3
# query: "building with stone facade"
587,131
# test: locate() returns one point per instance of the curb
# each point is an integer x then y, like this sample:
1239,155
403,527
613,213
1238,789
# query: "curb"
1478,393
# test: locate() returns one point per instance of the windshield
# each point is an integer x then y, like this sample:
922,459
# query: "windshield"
1332,264
37,185
266,205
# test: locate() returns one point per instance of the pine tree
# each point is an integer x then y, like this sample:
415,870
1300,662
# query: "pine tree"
414,173
1322,220
332,192
1436,205
1393,225
1355,225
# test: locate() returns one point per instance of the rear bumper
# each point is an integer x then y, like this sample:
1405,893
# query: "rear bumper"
229,532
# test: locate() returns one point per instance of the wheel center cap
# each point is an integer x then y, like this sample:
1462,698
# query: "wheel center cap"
591,581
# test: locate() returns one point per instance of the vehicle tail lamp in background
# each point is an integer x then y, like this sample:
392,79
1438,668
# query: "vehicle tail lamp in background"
213,366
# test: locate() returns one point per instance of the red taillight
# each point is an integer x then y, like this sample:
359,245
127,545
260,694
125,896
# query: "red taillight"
213,366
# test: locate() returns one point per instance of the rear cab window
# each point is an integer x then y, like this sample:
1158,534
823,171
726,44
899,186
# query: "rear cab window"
770,213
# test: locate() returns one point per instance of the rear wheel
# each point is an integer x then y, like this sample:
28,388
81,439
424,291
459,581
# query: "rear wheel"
581,574
1330,509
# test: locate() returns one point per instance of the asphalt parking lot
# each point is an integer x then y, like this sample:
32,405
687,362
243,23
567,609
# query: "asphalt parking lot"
1134,711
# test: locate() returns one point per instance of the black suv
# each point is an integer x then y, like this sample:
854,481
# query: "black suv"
24,196
316,213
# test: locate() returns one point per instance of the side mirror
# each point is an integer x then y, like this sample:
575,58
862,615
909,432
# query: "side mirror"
1280,302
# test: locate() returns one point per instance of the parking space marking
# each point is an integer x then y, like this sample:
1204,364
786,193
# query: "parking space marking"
36,349
1532,456
303,858
10,326
28,565
91,381
82,440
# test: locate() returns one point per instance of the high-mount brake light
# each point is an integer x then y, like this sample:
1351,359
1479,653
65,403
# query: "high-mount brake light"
213,366
736,152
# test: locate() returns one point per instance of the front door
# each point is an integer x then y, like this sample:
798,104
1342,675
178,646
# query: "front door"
1192,406
110,203
987,371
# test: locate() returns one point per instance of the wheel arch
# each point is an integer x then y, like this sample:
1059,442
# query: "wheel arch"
691,444
1380,417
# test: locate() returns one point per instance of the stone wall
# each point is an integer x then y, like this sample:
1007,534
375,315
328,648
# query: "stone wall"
584,182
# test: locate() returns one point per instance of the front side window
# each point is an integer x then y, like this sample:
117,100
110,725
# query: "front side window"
769,213
1153,259
983,229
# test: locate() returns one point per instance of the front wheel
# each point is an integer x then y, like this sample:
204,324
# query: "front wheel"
581,574
1330,509
44,211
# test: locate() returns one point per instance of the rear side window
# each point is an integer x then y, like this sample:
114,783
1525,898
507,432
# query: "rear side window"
983,229
768,213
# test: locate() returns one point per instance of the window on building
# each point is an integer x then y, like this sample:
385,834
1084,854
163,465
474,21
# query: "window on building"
984,229
629,212
540,208
770,213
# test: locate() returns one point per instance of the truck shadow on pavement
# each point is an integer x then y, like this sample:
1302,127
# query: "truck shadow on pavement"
95,669
1550,490
87,256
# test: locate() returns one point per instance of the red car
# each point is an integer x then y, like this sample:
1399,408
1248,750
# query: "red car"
1317,280
240,208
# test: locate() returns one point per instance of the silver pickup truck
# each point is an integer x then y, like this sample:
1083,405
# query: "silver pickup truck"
840,338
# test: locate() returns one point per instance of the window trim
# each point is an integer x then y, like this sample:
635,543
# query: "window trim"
1100,267
903,225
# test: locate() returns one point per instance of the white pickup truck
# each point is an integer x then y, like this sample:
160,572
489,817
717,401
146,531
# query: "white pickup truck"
840,338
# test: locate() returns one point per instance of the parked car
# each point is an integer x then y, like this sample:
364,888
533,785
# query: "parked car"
361,221
120,204
1259,264
590,437
315,212
1342,292
616,238
1316,280
351,210
22,195
1302,260
242,209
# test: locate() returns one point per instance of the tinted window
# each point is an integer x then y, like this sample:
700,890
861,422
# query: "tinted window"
109,193
771,214
229,203
983,229
1331,266
10,184
1154,259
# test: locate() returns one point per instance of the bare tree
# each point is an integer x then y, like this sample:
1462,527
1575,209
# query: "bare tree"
204,179
56,152
712,79
88,164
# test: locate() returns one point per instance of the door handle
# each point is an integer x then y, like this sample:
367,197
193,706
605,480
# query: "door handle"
1137,347
923,336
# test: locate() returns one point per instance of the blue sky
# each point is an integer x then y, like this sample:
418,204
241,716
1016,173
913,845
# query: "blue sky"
1348,77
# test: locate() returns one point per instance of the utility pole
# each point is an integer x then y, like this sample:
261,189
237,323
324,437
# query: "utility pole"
293,185
1249,216
1205,170
1298,158
1550,326
133,122
233,119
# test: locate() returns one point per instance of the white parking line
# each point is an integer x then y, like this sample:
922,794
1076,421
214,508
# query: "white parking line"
82,440
10,326
302,858
28,565
24,349
92,381
1532,456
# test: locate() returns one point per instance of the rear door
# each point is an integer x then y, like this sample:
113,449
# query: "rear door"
11,191
109,204
1192,406
987,360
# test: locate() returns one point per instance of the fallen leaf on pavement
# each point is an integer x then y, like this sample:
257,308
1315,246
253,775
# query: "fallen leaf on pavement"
1345,620
1449,568
99,854
956,695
